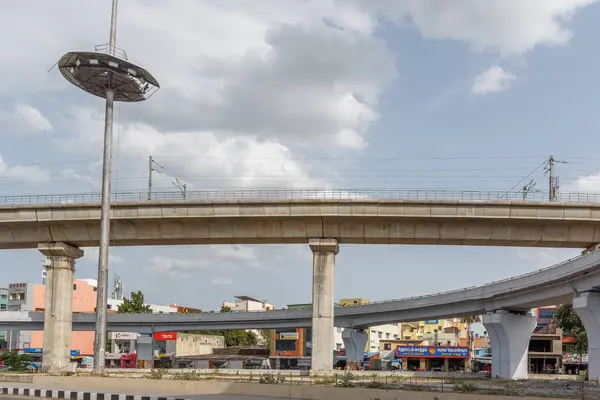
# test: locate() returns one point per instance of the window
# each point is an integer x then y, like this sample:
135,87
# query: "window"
379,334
74,286
95,289
387,346
387,335
2,306
285,345
338,346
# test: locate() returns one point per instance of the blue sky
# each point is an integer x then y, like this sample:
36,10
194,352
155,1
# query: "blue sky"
306,94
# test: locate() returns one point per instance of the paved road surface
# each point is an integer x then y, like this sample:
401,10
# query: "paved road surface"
201,397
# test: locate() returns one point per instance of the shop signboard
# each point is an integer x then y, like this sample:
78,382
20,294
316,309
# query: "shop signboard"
431,322
112,356
75,353
165,336
574,358
432,352
33,350
123,335
304,362
288,336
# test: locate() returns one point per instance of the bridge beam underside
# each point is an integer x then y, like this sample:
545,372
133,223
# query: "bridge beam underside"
58,313
509,335
587,307
324,252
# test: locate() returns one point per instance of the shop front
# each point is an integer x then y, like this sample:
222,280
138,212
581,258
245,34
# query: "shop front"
432,358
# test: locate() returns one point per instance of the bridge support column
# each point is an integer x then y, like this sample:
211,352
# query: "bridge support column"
324,251
509,335
587,306
355,343
58,313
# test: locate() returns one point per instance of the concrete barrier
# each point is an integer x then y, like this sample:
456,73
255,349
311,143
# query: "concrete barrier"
16,378
204,387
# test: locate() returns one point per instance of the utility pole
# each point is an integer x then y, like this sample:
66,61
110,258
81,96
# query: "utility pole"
553,184
154,166
150,177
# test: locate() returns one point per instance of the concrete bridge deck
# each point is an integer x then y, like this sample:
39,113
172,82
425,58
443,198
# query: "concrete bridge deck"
356,220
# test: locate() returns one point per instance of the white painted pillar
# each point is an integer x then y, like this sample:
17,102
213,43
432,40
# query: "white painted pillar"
58,313
355,343
587,306
324,251
509,335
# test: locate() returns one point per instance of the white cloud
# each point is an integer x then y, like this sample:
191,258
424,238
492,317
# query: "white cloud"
201,159
222,282
505,27
495,79
27,173
172,268
585,184
22,120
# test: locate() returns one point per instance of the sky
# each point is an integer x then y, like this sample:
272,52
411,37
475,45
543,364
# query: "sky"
305,94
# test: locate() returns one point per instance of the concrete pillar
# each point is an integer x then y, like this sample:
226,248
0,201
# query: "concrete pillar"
354,343
324,251
58,314
509,336
587,306
144,351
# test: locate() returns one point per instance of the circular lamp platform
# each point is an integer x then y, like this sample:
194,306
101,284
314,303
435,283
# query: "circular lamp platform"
97,72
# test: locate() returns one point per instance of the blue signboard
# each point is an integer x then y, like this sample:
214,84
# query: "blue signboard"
33,350
432,352
431,322
39,350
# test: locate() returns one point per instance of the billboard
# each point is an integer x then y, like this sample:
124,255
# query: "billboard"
165,336
432,352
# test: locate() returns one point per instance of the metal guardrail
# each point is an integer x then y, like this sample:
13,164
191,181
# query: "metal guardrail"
285,194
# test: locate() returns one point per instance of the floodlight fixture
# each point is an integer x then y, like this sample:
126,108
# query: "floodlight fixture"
97,72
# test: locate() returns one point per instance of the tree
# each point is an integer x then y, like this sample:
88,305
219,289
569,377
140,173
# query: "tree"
571,324
15,361
233,338
134,306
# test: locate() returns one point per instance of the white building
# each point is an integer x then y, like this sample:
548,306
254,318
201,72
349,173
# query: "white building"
247,303
383,332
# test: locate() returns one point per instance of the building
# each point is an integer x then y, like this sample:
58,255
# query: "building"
432,345
291,348
247,303
375,333
3,307
546,343
32,297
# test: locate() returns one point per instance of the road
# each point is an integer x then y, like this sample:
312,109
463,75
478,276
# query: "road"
200,397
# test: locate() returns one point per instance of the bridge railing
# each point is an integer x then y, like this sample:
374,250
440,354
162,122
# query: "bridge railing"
289,194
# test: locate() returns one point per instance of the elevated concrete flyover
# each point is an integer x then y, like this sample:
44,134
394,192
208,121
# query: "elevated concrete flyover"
296,217
548,286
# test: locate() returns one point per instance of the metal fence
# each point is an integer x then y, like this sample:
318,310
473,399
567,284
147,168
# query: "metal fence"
284,194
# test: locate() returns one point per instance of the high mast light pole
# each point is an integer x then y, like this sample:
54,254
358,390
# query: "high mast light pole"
106,73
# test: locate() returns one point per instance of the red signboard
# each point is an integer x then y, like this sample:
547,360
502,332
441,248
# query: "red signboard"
165,335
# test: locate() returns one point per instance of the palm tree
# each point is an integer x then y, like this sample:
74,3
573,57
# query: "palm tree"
470,319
